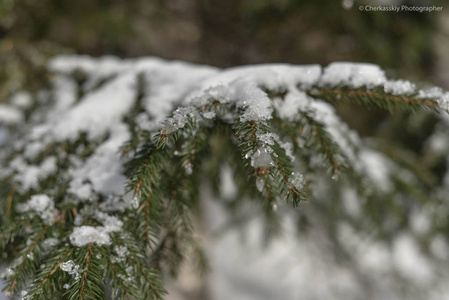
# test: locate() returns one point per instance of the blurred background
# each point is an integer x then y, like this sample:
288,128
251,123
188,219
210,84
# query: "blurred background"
229,33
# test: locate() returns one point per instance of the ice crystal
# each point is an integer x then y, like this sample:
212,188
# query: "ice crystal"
260,184
296,181
261,158
71,268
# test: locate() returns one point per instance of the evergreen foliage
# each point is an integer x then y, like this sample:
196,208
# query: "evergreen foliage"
71,226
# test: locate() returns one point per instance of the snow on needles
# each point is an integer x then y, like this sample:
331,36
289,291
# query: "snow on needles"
114,89
354,75
40,205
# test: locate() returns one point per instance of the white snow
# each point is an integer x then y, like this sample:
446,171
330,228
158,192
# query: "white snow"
288,148
290,266
29,176
110,223
437,94
294,102
261,158
410,261
49,243
98,111
40,205
84,235
168,83
399,87
266,138
21,100
355,75
296,180
228,188
103,170
10,115
122,252
376,167
351,202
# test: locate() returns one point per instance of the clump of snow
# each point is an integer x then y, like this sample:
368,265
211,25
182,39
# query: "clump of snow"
103,172
209,115
261,158
98,111
377,167
167,84
293,102
40,205
122,252
288,148
354,75
110,223
438,142
443,101
260,184
21,100
10,115
437,94
179,119
29,176
421,222
64,93
228,188
84,235
268,76
433,93
399,87
296,181
410,261
188,168
351,202
256,103
266,138
49,243
244,86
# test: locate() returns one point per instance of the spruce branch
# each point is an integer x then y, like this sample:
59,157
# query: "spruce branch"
9,202
318,138
375,97
273,134
47,284
27,266
90,283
